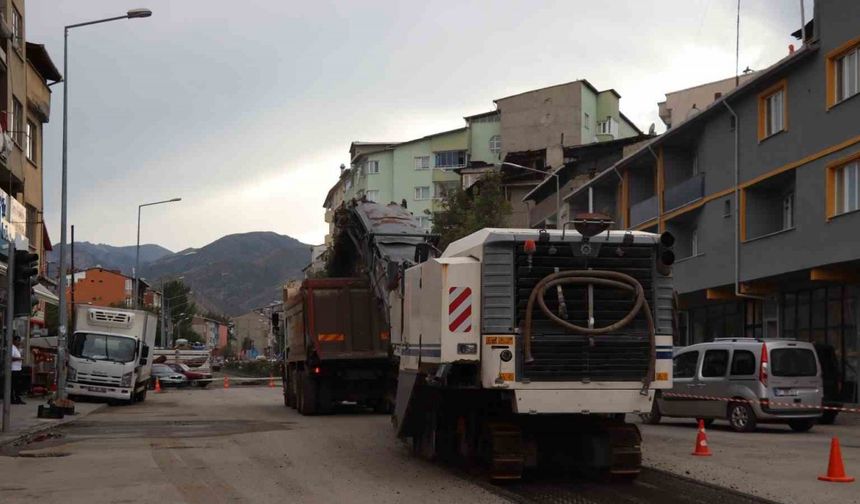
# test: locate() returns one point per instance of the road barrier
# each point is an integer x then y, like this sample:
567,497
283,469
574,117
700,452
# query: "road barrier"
764,402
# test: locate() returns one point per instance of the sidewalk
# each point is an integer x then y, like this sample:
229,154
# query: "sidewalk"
773,462
24,421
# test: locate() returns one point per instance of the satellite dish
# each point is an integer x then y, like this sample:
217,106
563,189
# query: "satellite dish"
693,111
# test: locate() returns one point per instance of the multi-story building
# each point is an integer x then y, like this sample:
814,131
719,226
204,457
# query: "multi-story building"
684,103
762,191
26,71
105,287
537,127
214,332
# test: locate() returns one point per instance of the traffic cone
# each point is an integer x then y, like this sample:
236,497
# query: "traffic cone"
226,382
702,449
157,385
271,381
835,469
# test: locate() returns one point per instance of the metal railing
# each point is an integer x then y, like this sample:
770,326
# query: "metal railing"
686,192
643,211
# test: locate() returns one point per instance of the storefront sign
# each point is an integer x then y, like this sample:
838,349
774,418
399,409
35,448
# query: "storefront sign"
13,218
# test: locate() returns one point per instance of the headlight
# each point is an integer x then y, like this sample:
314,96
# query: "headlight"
126,380
467,348
71,374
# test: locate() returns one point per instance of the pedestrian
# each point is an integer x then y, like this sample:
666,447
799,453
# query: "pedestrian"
17,373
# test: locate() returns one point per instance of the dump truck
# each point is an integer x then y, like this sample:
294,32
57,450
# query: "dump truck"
338,329
526,348
337,347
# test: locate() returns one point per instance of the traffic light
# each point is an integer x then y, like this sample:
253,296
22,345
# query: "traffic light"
26,277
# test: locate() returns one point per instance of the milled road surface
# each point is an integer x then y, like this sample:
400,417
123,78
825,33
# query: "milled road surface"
242,445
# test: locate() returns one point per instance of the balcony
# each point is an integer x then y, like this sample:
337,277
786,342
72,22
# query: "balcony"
686,192
643,211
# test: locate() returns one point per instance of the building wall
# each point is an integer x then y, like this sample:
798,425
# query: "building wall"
536,119
254,326
480,132
381,181
678,104
588,132
101,287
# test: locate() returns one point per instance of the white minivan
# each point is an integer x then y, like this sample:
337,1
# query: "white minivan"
745,381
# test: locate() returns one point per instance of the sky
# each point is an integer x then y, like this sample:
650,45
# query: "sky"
246,109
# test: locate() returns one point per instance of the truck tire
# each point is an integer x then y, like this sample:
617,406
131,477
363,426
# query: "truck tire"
289,380
141,396
307,394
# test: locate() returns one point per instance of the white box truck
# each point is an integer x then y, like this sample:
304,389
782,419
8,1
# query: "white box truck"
110,354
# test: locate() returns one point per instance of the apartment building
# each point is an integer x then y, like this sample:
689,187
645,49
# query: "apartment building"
26,72
762,191
105,287
685,103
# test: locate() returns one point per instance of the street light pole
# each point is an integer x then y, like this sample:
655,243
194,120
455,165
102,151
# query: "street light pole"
61,285
137,250
558,223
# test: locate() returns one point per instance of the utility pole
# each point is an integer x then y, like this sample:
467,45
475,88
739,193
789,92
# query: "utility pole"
10,316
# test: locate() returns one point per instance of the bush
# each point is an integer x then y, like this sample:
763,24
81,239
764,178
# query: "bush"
262,368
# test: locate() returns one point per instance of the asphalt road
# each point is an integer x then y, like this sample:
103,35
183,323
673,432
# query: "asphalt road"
218,446
242,445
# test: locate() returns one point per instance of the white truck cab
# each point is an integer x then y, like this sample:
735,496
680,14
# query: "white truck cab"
110,353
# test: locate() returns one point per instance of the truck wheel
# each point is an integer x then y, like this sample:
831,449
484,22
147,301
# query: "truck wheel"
141,396
307,394
741,417
288,380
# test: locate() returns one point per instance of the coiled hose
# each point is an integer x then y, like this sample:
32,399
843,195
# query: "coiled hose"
611,279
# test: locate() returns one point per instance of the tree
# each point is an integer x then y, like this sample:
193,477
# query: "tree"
482,205
180,310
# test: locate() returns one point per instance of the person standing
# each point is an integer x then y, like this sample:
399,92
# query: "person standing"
17,373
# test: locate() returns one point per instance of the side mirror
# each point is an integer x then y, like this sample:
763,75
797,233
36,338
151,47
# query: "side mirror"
144,354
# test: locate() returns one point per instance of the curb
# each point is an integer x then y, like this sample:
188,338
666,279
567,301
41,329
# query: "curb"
28,433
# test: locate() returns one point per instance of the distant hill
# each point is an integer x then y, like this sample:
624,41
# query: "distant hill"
88,255
231,275
236,273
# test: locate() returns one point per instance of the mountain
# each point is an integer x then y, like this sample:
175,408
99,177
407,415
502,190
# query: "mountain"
235,273
89,254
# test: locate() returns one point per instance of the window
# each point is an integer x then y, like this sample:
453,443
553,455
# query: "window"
684,365
727,208
16,123
496,144
450,159
843,73
771,111
372,195
743,363
845,183
30,144
792,362
373,167
348,184
422,162
586,120
425,221
788,211
715,363
422,193
17,29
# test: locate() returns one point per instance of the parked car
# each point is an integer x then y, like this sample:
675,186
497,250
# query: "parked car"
167,377
831,377
217,363
755,373
195,377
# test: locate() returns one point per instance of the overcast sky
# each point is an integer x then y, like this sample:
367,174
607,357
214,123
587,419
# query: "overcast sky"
246,109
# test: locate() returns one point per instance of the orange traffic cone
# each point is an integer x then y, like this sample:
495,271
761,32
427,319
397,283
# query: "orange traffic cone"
271,381
702,449
226,382
157,385
835,469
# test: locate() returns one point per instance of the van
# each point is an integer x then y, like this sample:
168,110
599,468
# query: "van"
745,381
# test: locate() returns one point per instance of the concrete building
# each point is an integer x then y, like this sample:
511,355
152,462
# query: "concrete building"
106,287
761,192
253,328
213,332
683,104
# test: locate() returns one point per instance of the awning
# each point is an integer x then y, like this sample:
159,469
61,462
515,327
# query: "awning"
44,294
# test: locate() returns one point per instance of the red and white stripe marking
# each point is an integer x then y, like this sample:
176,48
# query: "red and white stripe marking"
460,309
770,403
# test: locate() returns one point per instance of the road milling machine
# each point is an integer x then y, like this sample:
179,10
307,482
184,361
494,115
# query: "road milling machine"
527,348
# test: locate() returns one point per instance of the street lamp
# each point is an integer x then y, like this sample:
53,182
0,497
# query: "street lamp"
558,223
137,250
64,314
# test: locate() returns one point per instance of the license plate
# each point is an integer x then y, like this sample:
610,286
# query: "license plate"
97,389
785,392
